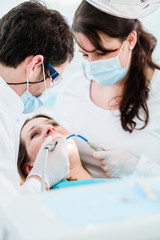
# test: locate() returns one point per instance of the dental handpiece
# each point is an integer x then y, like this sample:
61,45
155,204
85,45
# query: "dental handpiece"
91,144
51,146
48,148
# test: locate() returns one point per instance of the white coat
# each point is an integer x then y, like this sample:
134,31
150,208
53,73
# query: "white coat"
75,111
11,108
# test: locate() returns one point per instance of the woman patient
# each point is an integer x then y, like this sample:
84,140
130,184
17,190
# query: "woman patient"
33,134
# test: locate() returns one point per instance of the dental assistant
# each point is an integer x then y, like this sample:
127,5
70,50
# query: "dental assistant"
114,99
35,46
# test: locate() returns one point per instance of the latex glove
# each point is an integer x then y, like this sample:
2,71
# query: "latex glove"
57,164
116,162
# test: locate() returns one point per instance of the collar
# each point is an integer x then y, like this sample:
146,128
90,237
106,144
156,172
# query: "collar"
10,99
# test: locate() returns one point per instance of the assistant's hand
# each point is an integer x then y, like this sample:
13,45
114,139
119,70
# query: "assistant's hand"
57,163
116,162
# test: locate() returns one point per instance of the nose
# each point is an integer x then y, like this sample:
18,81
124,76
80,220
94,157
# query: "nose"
49,131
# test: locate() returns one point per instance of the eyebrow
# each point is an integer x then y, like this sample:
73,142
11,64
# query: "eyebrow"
31,129
52,121
104,50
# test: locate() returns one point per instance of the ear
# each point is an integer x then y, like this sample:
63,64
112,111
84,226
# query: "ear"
132,39
33,64
27,167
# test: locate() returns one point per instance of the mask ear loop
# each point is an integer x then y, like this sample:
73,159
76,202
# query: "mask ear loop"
120,49
27,77
44,75
130,52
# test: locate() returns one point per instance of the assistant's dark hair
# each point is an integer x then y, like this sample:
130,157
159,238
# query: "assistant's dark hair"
91,21
22,153
30,29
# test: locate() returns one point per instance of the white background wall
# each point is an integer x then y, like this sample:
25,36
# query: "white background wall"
66,7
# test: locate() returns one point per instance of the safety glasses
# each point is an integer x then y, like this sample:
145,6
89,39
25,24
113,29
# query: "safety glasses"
56,77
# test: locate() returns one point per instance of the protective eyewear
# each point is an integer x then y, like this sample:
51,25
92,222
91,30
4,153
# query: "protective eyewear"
56,77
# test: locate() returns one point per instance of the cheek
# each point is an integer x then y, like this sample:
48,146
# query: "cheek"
71,149
48,82
61,132
73,154
36,91
124,58
34,148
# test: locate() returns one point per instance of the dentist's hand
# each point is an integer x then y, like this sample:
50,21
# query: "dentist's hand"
116,162
57,163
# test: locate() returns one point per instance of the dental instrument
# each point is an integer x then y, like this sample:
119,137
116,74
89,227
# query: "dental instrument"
91,144
49,147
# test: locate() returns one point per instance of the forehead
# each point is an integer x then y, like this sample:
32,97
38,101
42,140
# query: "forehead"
32,123
107,42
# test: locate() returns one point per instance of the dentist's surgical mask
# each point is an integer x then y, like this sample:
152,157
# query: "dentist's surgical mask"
30,102
106,72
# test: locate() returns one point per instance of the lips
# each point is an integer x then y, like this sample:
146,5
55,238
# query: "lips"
57,137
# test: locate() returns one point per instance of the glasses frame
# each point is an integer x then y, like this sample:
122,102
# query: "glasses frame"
56,77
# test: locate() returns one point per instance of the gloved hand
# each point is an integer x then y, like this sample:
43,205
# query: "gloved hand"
57,163
116,162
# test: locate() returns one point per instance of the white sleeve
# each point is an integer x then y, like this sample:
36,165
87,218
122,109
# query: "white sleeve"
147,168
9,178
32,185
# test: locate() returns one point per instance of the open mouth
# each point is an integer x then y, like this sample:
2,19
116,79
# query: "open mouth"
70,140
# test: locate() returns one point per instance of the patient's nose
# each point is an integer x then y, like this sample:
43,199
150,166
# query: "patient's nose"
49,131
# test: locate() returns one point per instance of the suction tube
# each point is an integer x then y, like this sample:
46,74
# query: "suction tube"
91,144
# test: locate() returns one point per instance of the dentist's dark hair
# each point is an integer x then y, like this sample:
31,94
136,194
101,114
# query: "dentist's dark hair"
31,29
90,21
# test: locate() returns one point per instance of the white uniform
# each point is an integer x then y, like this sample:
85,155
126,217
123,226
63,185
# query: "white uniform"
78,114
11,107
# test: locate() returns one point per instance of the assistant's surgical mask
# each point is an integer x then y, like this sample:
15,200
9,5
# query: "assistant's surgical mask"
30,102
106,72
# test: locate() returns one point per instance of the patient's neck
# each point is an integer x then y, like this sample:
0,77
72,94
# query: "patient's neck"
77,171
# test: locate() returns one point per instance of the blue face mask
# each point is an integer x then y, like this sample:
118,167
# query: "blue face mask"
106,72
30,102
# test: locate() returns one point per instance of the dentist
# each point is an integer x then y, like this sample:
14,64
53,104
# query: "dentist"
115,96
35,46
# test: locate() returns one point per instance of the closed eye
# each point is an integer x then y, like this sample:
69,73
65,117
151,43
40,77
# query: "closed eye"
106,51
85,55
100,53
34,134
